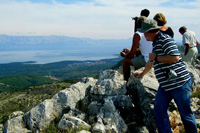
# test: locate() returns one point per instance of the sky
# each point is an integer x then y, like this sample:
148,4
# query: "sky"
95,19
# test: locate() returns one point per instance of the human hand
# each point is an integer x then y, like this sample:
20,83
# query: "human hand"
138,74
124,52
134,18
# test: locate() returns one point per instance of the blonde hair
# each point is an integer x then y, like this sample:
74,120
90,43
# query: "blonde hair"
160,18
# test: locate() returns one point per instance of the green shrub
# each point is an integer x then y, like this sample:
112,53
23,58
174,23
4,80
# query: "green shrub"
4,118
197,93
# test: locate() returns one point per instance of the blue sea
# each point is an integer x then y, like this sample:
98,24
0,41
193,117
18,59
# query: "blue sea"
49,56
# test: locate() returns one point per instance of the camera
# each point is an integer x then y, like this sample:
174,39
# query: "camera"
125,51
171,74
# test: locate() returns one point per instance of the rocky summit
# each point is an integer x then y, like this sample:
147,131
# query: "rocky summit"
108,104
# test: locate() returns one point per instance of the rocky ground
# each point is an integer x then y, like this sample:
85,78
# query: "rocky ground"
108,104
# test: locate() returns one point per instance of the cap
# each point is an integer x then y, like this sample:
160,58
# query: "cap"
147,25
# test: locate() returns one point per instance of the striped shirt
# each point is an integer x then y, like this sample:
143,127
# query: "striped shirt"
163,44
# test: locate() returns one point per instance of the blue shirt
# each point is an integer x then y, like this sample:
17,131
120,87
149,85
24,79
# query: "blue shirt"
163,44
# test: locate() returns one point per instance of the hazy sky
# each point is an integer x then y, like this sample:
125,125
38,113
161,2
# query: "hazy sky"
97,19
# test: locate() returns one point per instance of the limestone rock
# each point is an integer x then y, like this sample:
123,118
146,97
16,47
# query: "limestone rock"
121,101
15,114
143,101
83,131
195,104
77,113
39,117
72,123
195,75
144,130
98,128
110,83
109,120
16,125
94,108
149,81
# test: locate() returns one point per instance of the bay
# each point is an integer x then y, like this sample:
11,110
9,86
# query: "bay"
49,56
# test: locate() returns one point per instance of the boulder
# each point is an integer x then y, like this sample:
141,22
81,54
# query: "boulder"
77,113
39,117
98,128
109,120
16,125
149,81
143,97
110,83
69,123
15,114
195,75
94,108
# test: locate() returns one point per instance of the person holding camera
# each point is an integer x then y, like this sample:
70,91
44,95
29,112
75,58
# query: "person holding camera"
130,59
144,12
174,79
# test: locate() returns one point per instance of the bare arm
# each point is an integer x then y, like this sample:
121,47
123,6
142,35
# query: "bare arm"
164,58
147,68
149,65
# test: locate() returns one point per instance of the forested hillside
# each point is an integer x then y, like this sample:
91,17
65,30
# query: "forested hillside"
20,75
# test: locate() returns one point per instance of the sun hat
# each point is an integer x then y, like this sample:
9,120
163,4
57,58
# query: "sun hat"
147,25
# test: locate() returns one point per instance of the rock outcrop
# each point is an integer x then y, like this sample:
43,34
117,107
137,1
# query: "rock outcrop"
108,104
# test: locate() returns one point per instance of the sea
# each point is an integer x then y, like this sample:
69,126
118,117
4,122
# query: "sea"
49,56
55,55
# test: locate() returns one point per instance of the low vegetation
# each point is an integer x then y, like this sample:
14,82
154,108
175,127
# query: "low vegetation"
197,93
27,98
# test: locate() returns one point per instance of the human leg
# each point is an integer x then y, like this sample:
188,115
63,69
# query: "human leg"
195,55
191,55
126,68
160,111
182,99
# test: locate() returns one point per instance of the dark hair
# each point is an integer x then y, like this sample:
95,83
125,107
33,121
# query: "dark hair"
182,29
154,31
145,12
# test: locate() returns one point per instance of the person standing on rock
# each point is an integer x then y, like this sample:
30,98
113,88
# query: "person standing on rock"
174,79
130,59
191,43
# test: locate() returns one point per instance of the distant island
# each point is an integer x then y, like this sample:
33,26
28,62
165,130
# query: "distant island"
48,49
